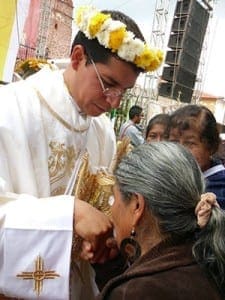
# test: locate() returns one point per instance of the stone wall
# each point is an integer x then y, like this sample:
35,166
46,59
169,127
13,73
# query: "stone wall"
55,28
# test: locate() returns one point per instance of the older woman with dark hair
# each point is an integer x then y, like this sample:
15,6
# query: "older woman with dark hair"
195,127
173,239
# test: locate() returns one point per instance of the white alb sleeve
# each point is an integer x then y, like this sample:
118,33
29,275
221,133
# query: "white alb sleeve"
35,247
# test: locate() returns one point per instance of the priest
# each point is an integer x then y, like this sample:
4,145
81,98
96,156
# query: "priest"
47,123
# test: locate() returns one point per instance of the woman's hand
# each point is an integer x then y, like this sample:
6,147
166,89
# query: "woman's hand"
95,228
109,252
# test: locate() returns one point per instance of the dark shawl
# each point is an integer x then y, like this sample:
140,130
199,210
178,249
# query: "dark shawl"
166,272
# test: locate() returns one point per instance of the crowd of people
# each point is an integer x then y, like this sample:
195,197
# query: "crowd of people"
195,127
166,196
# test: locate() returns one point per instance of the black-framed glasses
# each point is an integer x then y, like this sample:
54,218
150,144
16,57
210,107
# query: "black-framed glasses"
111,92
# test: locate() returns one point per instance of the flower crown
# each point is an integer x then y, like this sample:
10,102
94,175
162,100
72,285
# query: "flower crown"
112,34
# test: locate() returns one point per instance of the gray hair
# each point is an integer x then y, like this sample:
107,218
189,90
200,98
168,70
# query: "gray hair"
169,178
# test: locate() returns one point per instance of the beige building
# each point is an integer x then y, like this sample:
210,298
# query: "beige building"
216,105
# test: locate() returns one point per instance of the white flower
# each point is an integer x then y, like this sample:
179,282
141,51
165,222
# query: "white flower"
131,47
85,16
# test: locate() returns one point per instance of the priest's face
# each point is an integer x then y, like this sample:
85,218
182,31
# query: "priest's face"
100,87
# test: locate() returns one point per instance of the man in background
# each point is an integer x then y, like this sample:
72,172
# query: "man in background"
131,128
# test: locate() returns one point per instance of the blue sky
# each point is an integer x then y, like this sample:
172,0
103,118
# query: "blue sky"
142,11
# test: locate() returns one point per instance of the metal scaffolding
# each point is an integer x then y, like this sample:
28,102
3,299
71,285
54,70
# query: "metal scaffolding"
149,91
45,18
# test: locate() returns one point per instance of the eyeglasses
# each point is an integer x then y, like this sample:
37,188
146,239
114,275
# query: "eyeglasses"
111,92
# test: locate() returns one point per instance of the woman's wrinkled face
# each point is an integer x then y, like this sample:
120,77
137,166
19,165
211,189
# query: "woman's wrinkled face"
191,139
156,133
121,216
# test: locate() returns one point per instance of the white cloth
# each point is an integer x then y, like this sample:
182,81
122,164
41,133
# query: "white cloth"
38,151
21,244
213,170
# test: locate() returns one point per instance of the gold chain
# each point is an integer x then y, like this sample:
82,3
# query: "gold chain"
57,116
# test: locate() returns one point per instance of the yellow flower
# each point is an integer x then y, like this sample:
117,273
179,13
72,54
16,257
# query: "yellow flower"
153,65
159,55
156,62
116,38
96,23
144,59
29,66
79,14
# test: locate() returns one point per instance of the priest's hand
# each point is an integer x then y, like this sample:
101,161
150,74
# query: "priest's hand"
95,228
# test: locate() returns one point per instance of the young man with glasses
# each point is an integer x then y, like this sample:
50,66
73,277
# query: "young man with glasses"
47,122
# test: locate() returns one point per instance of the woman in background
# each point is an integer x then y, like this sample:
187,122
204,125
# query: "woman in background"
195,127
157,128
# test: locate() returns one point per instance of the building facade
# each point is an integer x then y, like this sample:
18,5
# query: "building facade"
48,30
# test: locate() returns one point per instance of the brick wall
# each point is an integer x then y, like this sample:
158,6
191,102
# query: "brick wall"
60,29
55,29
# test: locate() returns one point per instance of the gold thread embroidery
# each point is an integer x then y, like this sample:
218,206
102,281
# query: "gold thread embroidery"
61,161
58,191
58,117
38,275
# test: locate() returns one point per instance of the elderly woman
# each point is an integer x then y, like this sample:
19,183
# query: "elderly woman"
174,242
194,126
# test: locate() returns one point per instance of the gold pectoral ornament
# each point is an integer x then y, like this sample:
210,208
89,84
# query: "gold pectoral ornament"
94,188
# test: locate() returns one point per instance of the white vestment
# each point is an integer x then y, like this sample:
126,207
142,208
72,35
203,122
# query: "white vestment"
39,145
